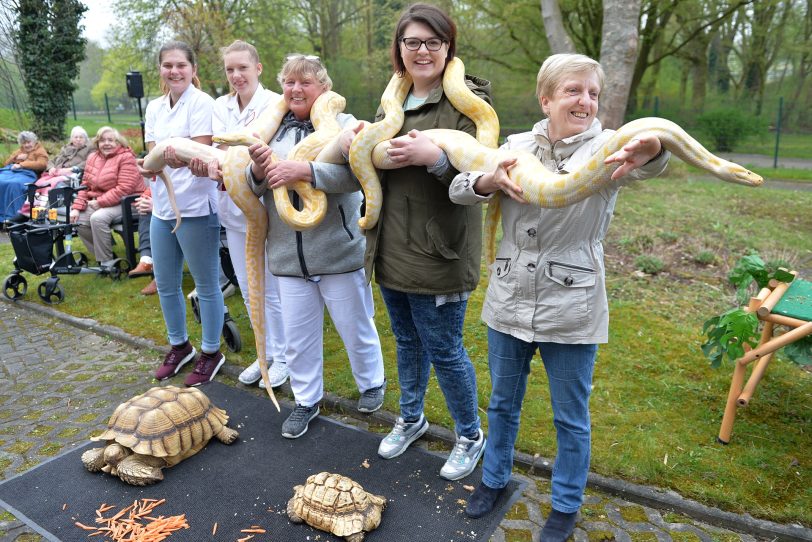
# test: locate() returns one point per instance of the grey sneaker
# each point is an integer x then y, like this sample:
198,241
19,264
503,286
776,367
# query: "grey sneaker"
277,374
372,399
250,374
401,436
463,458
296,424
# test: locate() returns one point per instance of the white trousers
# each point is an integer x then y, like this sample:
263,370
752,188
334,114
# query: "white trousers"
274,332
349,299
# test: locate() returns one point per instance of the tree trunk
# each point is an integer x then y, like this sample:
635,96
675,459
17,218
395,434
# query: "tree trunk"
618,57
557,36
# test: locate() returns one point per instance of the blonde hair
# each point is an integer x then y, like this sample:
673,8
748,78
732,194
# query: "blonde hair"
187,51
103,130
298,65
557,67
238,46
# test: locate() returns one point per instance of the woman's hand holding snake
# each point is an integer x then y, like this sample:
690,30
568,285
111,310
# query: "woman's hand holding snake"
346,137
413,149
201,168
637,152
287,172
499,179
171,158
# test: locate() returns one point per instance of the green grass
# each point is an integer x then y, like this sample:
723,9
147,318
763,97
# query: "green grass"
657,403
781,173
789,146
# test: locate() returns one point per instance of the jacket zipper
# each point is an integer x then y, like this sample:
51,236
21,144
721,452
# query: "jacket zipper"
551,263
299,245
344,222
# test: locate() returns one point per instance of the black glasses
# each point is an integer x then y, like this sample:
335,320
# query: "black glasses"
413,44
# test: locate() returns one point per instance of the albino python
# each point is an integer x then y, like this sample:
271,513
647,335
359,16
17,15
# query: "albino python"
540,186
234,161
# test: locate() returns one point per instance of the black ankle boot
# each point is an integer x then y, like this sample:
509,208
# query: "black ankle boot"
482,500
559,526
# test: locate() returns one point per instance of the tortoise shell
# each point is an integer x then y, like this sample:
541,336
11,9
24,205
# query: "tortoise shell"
165,421
337,504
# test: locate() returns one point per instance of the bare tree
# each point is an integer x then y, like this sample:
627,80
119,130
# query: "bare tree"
557,36
618,56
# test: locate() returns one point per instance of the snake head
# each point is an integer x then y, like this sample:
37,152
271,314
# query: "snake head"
235,139
743,175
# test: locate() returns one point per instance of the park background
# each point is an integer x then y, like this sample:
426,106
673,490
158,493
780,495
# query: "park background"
713,66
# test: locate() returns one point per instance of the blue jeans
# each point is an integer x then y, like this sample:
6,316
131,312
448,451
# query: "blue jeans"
198,241
428,335
569,371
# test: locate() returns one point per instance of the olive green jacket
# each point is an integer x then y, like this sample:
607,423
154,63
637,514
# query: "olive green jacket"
423,243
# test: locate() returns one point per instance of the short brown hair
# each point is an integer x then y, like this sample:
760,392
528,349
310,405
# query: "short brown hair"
431,16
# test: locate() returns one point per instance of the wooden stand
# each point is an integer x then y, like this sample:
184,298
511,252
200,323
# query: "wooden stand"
762,305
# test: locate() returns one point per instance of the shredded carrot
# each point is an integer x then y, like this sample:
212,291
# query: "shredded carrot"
245,538
139,525
214,529
258,530
64,506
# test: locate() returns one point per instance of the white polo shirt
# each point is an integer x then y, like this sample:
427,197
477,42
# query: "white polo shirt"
191,117
228,118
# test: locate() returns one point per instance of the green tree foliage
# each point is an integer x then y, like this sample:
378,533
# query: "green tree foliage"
49,47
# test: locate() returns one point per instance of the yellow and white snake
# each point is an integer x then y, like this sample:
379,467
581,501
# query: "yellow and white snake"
540,186
234,161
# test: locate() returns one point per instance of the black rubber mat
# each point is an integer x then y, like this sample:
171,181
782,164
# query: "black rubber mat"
250,482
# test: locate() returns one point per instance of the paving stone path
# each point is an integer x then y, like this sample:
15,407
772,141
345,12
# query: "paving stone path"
60,382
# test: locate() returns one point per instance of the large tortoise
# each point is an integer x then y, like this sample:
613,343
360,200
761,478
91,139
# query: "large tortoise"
157,429
336,504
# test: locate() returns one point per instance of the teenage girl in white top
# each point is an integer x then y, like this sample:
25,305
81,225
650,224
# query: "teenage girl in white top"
185,111
232,112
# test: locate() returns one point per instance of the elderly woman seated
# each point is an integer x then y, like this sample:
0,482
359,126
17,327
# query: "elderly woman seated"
110,175
74,154
22,167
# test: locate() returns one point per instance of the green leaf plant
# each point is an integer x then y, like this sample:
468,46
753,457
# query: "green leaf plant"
728,332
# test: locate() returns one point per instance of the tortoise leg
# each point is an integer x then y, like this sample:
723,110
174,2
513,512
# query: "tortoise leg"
227,435
356,537
141,470
93,459
291,514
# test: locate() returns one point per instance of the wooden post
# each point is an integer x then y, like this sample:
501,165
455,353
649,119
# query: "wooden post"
759,369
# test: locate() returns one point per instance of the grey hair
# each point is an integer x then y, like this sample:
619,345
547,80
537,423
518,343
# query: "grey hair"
26,136
557,67
78,130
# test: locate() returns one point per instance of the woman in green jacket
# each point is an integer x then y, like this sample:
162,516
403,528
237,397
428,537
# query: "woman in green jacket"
425,250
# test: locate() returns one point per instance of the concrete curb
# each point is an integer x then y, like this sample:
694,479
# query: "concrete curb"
640,494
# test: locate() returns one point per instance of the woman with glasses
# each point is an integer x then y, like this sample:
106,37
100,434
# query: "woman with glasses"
246,101
425,250
321,266
185,111
547,291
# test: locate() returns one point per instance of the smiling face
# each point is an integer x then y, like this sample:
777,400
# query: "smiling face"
300,92
176,71
572,106
107,143
242,72
28,146
426,67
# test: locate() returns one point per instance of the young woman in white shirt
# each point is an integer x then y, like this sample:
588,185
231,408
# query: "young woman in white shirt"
185,111
246,101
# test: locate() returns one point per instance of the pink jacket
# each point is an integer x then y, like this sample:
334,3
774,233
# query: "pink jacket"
109,179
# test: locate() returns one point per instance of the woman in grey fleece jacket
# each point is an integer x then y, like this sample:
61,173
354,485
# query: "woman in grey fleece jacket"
546,291
321,266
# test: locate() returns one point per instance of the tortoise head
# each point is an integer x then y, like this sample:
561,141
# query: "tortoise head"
115,453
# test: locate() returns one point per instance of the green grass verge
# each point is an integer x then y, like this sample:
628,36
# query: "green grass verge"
789,146
657,403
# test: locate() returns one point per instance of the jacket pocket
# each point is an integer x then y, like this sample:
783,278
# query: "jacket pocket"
438,240
570,275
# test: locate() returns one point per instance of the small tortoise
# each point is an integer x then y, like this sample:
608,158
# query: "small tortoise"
157,429
336,504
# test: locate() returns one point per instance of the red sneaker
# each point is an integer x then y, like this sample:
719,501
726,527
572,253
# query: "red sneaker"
205,369
176,358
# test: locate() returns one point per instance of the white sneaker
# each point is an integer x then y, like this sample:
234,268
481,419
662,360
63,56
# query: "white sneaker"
401,436
463,458
191,294
277,374
251,374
